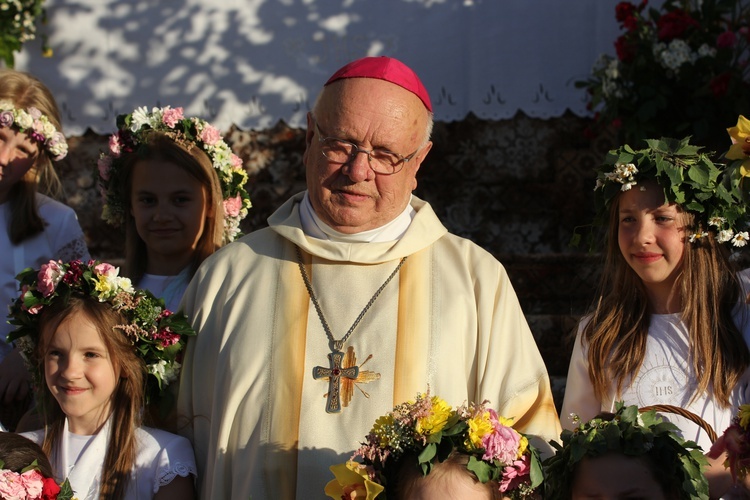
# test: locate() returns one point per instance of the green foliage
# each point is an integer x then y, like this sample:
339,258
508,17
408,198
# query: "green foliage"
18,20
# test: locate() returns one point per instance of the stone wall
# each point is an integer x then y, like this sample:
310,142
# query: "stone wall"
516,187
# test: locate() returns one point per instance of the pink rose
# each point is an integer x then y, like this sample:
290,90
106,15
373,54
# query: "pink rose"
232,206
34,112
236,161
11,487
104,164
49,276
209,135
115,146
105,269
33,481
170,117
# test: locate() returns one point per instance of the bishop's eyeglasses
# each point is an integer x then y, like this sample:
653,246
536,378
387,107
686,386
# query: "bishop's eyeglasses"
381,161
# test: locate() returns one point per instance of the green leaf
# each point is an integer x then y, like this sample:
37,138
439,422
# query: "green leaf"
428,453
480,468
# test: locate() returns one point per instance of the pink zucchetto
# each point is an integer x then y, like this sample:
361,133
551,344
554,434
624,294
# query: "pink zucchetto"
388,69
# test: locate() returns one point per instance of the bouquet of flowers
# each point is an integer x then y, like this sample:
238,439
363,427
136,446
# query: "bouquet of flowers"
18,25
680,70
30,484
431,430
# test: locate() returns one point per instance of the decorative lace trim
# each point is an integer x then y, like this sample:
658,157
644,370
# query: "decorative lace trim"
73,250
178,469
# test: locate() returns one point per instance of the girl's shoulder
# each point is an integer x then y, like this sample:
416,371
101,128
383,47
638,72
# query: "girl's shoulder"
162,456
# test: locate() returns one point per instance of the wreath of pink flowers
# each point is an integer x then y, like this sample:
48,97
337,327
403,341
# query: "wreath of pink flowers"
31,121
132,132
30,484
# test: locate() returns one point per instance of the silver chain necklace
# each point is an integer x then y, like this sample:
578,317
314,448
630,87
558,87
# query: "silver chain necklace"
334,372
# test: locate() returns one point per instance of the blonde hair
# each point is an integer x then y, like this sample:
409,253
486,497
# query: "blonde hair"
618,327
194,161
127,399
24,91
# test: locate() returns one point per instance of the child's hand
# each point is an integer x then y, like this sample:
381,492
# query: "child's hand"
14,378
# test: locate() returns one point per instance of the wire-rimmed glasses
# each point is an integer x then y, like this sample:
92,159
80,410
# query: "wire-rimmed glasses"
381,161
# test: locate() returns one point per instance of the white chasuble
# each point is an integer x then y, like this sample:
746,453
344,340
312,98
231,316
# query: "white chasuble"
449,321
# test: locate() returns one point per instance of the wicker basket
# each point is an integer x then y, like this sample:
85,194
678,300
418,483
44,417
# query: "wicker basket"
683,413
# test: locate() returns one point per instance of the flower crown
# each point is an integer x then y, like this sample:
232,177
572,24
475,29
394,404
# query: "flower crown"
430,429
32,122
633,434
30,483
157,334
688,177
739,156
134,130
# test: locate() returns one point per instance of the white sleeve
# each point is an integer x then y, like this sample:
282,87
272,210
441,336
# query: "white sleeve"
176,458
579,391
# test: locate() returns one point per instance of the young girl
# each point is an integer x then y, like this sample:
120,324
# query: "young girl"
670,325
33,227
96,346
427,450
625,455
178,189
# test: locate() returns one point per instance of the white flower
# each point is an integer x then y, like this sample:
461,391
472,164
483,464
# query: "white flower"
696,236
716,221
740,239
139,118
627,185
724,235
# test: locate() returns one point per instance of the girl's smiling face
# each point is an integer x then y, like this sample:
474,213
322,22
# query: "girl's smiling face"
651,236
80,373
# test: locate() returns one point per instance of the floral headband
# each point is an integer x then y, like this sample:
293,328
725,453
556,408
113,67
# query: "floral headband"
688,178
30,483
633,434
32,122
134,130
157,334
430,429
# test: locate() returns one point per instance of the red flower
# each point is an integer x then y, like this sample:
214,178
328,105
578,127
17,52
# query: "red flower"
50,489
726,40
720,84
624,10
674,24
625,49
617,122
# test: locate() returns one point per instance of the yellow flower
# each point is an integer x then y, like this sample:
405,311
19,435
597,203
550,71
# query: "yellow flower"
744,415
478,427
383,429
436,420
740,149
104,286
352,482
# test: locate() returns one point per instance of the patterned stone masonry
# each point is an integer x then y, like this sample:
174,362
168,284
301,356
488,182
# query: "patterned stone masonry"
516,187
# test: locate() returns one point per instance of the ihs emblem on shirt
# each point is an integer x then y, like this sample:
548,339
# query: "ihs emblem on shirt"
348,384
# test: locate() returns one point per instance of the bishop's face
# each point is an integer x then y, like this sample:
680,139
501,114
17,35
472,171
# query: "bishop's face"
370,113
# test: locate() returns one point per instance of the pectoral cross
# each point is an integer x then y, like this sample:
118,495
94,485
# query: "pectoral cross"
334,374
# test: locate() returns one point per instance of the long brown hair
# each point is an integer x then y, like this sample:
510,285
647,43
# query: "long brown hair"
617,330
127,399
24,91
195,162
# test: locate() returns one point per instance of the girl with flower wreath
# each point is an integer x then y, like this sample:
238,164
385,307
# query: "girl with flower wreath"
99,350
425,449
669,324
179,191
34,227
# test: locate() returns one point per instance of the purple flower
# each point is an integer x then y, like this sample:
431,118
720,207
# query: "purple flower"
6,118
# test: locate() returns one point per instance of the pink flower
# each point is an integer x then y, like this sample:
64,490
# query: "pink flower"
515,474
11,487
115,146
210,135
49,276
502,443
34,112
106,269
232,206
104,164
33,481
170,117
236,161
726,40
